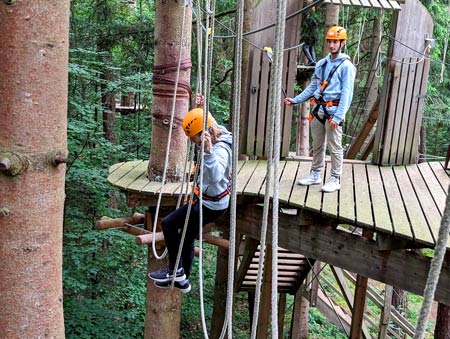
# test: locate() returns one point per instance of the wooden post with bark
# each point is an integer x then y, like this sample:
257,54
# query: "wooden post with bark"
172,48
33,152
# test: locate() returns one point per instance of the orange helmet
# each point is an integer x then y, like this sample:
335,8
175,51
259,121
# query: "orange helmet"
336,33
193,122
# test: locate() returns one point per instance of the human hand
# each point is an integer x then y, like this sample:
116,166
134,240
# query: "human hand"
288,101
333,124
208,142
199,99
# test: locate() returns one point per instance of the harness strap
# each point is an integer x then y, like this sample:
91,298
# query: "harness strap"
210,198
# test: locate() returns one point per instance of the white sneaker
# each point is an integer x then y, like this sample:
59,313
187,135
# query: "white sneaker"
313,178
332,185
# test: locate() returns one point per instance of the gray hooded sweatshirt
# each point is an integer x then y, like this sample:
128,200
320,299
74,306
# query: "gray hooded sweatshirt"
217,171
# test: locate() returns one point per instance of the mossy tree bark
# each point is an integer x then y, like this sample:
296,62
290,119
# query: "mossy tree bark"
33,150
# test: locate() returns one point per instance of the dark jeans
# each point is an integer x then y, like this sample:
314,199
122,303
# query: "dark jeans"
172,226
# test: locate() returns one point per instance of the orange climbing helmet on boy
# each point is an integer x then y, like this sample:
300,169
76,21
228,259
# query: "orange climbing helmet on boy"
336,33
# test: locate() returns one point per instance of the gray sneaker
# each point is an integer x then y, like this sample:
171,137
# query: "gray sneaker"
332,185
313,178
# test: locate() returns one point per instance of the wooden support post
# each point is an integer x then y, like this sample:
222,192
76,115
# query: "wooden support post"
385,313
300,317
315,274
281,314
266,297
359,303
220,291
159,237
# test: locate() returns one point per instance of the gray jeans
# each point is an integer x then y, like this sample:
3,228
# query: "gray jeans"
323,135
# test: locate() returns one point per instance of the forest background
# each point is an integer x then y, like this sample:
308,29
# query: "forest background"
111,55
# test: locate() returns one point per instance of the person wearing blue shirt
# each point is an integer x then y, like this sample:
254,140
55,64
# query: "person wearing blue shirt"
331,90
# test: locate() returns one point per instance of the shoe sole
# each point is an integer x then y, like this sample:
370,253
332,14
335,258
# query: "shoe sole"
182,290
331,191
313,183
180,278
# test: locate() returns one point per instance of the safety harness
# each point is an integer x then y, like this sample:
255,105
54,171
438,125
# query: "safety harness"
320,102
197,189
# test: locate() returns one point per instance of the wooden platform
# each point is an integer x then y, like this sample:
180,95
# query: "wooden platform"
406,202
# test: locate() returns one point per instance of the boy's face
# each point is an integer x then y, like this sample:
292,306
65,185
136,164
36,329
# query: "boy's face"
197,139
334,46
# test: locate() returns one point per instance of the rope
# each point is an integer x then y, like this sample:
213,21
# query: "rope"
169,138
206,92
235,154
435,269
360,34
441,79
276,109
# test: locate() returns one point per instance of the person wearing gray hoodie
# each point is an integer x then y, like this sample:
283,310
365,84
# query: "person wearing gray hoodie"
331,90
215,198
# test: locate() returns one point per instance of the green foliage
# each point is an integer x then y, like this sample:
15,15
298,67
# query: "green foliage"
320,328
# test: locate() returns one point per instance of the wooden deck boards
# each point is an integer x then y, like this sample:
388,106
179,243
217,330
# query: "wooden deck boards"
402,201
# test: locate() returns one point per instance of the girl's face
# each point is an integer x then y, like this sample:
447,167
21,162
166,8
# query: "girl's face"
197,139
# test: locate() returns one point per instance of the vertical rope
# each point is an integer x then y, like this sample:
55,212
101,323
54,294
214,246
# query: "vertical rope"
206,84
276,109
435,269
235,153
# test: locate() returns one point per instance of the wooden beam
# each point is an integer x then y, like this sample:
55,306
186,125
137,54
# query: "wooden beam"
300,317
159,237
314,236
107,222
250,247
368,124
266,296
281,314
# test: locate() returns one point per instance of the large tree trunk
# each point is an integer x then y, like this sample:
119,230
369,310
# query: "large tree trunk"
33,149
331,19
164,306
167,54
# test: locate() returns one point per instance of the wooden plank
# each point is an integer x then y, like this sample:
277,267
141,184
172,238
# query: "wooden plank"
440,174
429,208
245,174
414,116
385,4
346,2
365,3
375,4
346,195
122,171
257,179
400,220
356,3
263,102
281,165
139,183
395,5
330,200
113,167
406,114
362,197
133,175
298,194
381,215
287,181
398,112
314,195
390,115
253,101
434,186
417,219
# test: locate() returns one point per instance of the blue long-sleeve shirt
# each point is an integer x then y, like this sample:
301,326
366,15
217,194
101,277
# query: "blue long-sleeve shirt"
339,87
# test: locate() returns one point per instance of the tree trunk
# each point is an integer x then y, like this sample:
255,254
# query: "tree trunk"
399,299
108,107
164,307
167,54
331,19
33,150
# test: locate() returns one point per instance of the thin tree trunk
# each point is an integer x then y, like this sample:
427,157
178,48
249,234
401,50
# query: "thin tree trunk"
109,107
164,307
33,150
331,19
167,57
